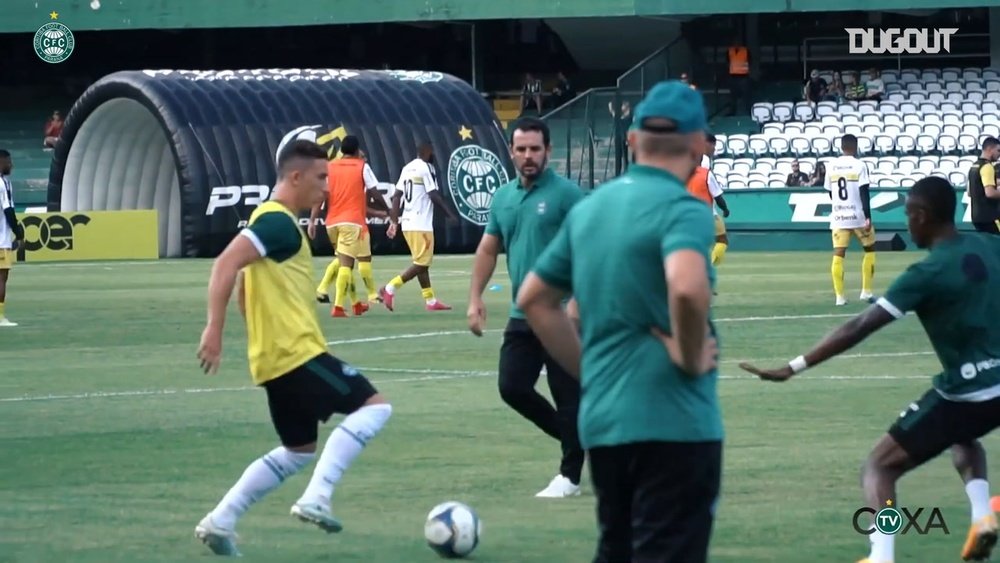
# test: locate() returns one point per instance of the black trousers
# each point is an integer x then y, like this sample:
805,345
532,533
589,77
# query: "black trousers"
656,500
991,227
521,359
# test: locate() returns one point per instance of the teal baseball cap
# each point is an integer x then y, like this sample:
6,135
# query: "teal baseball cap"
675,101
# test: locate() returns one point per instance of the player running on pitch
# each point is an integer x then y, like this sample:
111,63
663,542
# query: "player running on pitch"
417,187
952,291
288,355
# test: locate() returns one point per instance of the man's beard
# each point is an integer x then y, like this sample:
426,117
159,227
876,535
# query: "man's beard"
539,168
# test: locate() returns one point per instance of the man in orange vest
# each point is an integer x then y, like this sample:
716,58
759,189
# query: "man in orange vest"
705,186
352,184
739,76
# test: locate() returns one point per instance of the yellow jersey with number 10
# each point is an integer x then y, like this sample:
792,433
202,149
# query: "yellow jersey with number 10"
283,330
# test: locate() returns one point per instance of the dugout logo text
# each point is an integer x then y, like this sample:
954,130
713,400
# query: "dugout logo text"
911,41
891,520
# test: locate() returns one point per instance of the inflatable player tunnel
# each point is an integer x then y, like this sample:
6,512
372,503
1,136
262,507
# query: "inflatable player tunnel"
199,146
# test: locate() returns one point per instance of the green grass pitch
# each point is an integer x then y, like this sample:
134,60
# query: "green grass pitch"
114,444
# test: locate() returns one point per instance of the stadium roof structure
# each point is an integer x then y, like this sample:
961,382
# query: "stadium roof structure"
200,146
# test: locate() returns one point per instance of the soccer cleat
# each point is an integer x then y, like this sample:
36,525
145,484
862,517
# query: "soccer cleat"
867,296
315,513
386,297
559,487
6,322
438,306
981,539
338,312
868,560
219,540
322,298
841,300
360,308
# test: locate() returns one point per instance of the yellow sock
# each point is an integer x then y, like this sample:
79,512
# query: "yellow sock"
394,284
352,290
344,276
331,272
428,294
837,271
366,276
718,251
1,309
867,271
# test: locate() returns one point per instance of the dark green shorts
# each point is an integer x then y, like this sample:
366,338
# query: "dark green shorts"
933,424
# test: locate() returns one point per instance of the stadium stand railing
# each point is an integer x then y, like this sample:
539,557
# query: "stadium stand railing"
581,131
929,122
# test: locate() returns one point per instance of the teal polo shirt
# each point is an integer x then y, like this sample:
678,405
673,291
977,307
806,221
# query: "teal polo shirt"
527,219
609,253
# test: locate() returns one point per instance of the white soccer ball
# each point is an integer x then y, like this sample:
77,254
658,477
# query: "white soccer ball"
453,530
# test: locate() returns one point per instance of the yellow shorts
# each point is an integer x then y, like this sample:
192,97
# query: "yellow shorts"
842,237
7,258
720,226
346,239
421,245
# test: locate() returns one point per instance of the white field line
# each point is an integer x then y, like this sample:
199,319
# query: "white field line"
420,375
455,332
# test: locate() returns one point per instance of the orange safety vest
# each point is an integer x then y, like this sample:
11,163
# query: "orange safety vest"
739,61
697,185
347,200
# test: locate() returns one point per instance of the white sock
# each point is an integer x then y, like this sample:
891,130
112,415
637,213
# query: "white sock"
346,441
979,496
432,300
882,547
261,477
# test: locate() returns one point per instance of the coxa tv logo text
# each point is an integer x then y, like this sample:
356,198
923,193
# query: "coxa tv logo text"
895,41
891,520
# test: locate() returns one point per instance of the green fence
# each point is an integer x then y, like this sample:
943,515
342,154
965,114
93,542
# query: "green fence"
581,133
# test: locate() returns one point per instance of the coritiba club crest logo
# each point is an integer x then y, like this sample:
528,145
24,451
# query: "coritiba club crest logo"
54,41
474,175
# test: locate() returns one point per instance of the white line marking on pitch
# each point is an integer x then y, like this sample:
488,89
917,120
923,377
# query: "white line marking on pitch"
454,332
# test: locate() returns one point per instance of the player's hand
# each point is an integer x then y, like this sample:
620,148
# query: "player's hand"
391,231
868,224
311,230
210,350
725,213
781,374
709,354
476,316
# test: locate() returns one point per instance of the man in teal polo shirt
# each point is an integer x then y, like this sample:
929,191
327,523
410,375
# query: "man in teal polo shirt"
524,217
649,413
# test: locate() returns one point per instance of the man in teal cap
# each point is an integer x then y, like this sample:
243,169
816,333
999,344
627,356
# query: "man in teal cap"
649,411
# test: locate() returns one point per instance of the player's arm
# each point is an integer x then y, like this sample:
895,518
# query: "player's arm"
907,293
715,190
397,196
430,185
541,298
8,211
684,250
373,196
864,190
483,265
987,173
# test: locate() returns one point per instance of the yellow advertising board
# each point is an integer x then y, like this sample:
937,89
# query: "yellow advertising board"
89,235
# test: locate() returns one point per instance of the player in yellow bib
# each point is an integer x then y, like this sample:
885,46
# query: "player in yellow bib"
287,354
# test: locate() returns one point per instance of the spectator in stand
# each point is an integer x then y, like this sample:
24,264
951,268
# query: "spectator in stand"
814,89
836,90
818,176
563,91
686,80
797,178
855,90
53,129
875,87
531,91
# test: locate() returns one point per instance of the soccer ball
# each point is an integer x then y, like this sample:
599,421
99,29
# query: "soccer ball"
453,529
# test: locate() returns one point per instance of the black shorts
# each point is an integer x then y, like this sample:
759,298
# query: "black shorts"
310,394
933,424
656,500
991,227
